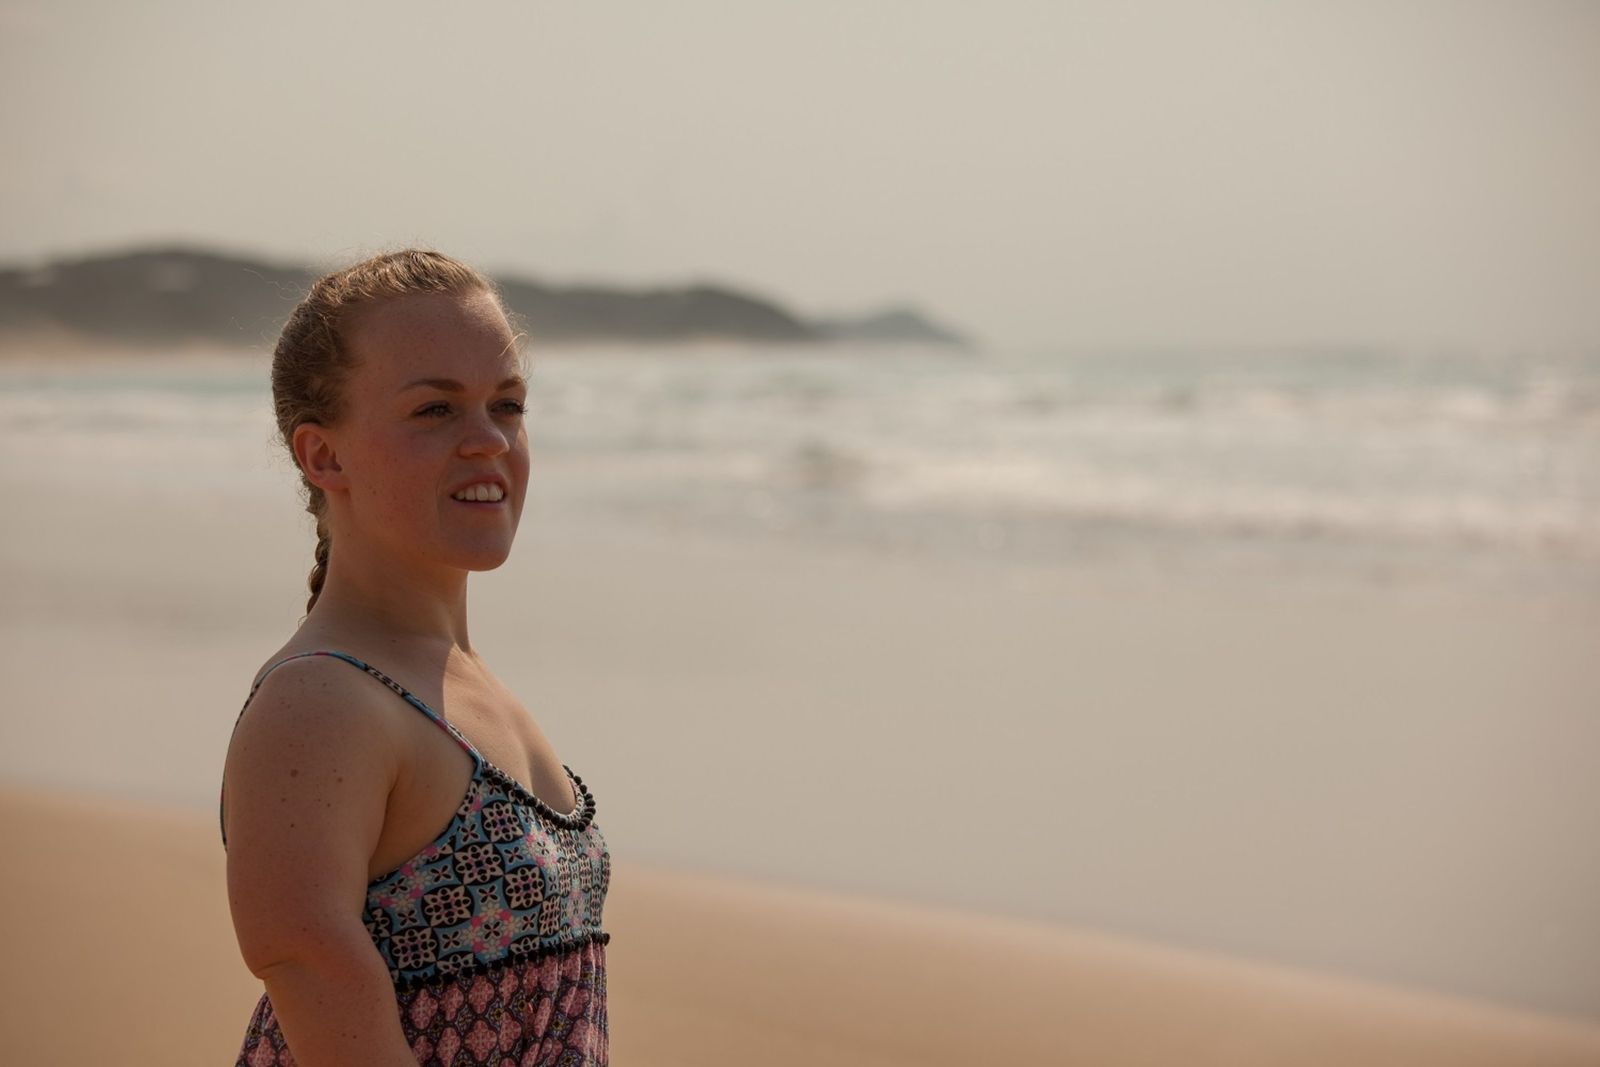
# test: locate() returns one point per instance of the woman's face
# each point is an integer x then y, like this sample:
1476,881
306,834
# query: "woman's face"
435,404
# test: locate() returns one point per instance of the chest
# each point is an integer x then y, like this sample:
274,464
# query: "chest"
435,769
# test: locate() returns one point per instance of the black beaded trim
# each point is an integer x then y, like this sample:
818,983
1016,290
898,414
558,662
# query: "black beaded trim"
410,983
581,816
578,820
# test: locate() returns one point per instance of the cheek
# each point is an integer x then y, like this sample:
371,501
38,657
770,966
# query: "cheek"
395,483
383,499
522,465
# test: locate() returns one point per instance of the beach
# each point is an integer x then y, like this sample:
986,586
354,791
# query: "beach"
128,958
867,803
1061,534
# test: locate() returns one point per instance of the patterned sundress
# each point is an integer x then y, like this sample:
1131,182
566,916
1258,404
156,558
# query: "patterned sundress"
492,932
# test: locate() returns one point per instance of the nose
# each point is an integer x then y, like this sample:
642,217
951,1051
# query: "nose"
484,437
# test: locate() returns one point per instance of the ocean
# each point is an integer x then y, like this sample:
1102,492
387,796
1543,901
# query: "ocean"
1364,465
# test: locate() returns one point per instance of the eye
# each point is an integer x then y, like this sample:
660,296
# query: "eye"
513,406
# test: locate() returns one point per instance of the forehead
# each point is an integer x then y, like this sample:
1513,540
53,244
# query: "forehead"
456,335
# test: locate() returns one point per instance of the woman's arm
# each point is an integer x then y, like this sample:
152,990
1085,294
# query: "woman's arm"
308,774
336,1004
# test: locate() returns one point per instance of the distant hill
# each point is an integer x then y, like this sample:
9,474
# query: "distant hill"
178,294
894,324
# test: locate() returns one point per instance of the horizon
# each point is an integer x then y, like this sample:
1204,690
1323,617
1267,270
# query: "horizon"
975,343
1083,176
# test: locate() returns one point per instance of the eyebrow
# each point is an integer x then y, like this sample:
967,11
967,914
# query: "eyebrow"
450,385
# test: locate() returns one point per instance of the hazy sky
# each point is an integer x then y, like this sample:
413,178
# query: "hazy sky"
1043,174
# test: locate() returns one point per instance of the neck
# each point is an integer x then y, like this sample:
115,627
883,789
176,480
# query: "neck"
378,601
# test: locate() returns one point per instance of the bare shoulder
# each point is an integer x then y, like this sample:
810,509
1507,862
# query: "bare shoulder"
314,727
316,709
307,779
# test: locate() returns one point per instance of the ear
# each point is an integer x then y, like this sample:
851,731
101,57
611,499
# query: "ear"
316,452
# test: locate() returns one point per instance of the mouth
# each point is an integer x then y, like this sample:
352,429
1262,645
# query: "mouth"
479,493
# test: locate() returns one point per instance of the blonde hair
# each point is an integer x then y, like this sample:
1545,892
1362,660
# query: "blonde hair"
312,361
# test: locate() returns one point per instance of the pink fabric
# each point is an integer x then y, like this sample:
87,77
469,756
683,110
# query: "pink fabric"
548,1011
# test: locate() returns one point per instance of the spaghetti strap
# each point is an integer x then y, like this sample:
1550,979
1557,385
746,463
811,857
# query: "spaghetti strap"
410,697
478,760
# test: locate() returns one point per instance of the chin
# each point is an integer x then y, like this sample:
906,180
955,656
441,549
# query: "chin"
480,557
485,561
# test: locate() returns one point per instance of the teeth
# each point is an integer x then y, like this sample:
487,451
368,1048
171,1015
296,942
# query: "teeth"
483,491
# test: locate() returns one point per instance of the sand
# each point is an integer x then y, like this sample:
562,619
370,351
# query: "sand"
122,952
1391,784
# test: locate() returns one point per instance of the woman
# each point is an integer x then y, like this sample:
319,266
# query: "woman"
380,937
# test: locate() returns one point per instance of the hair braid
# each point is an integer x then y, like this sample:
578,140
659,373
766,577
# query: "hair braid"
319,571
